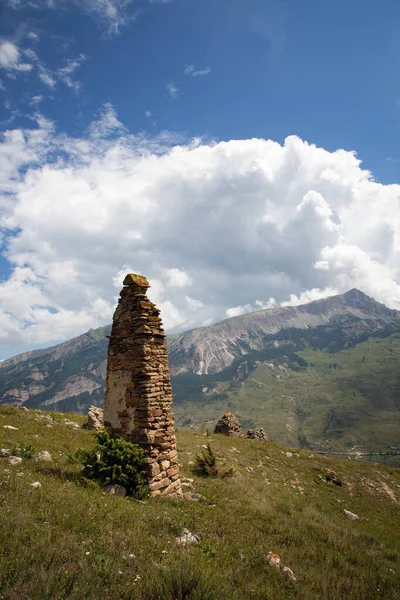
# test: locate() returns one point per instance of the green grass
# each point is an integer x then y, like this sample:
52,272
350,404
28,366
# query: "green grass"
66,540
344,401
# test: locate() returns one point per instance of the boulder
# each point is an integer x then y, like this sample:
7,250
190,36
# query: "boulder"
14,460
187,538
257,434
229,425
4,453
115,490
351,516
44,455
274,560
36,485
288,574
194,497
95,418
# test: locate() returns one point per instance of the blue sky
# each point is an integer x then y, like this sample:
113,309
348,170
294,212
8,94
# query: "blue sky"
326,71
145,78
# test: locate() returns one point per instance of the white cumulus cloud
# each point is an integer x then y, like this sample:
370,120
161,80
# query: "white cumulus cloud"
218,228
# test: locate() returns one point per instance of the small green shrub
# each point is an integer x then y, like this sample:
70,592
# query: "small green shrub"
117,461
23,450
206,463
183,581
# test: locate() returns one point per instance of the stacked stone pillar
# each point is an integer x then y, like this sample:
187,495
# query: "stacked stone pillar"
138,387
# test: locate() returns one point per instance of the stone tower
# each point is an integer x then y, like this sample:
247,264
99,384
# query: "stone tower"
138,388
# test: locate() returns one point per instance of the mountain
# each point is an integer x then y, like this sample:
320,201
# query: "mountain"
324,375
64,538
346,318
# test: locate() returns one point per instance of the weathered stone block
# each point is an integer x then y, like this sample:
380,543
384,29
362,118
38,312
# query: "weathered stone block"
158,485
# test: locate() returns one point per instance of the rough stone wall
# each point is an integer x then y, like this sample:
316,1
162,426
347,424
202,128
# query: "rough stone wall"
138,388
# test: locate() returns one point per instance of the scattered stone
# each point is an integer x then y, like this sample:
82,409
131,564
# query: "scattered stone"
10,427
138,396
194,497
331,477
274,560
72,424
257,434
4,453
36,485
187,538
229,425
351,516
24,408
14,460
115,490
288,574
186,484
95,418
44,455
43,418
188,479
289,454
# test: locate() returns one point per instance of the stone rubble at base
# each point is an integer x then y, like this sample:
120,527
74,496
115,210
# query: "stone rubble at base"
138,387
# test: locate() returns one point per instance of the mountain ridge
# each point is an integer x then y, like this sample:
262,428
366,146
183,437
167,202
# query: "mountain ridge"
250,364
268,322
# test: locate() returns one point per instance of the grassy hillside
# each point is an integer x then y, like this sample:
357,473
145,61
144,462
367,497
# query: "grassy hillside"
65,540
340,401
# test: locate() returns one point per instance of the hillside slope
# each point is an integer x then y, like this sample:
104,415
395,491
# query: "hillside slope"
347,401
258,365
68,540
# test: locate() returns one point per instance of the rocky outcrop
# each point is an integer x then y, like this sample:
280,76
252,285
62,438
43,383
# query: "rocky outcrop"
257,434
138,388
229,425
95,418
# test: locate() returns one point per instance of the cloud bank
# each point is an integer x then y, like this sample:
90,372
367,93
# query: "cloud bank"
218,228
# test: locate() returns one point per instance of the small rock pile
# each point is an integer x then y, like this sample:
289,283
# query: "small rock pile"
229,425
257,434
